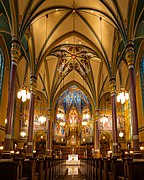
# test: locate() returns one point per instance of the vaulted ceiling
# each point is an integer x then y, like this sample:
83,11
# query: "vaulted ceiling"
73,42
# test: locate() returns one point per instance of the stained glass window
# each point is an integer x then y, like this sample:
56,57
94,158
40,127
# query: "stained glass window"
142,76
1,70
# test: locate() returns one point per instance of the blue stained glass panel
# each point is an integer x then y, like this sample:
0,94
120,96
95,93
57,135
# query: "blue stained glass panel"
73,96
1,70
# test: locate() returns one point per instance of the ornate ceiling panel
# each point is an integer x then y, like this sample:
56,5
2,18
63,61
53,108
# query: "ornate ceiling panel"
66,31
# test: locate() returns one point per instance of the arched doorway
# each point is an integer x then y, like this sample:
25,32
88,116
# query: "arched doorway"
40,143
105,143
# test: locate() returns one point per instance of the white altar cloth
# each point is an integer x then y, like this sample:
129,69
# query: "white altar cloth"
73,159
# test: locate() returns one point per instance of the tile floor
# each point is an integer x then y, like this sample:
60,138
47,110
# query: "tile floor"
74,172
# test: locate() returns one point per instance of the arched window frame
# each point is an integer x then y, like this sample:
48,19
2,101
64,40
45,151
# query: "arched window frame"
1,70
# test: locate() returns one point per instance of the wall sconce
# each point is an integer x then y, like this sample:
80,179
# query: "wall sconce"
5,121
121,134
1,147
103,137
23,134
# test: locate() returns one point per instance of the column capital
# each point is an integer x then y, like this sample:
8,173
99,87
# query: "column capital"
16,39
33,84
49,113
130,55
112,85
15,49
96,115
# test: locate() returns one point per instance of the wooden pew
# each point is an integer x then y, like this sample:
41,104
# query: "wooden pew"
135,169
9,169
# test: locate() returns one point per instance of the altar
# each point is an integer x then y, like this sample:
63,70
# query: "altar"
73,159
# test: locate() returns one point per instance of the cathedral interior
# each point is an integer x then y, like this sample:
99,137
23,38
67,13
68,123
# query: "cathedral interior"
72,78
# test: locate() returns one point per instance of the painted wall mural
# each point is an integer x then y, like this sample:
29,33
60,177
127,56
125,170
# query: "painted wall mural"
59,130
87,130
105,122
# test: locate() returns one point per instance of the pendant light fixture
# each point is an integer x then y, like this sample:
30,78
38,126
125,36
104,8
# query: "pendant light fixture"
123,96
104,118
42,118
23,93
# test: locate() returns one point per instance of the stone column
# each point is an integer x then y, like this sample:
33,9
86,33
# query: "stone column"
33,81
130,56
96,134
96,129
114,116
15,54
49,134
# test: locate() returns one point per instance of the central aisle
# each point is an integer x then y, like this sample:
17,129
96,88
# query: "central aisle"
72,172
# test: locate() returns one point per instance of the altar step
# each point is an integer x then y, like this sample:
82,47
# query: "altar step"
72,163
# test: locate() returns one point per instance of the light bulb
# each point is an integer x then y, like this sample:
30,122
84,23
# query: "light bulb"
126,96
19,95
121,134
23,134
123,100
58,115
23,92
28,95
23,98
118,98
42,119
87,116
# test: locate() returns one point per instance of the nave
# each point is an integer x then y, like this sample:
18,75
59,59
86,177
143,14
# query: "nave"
71,172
